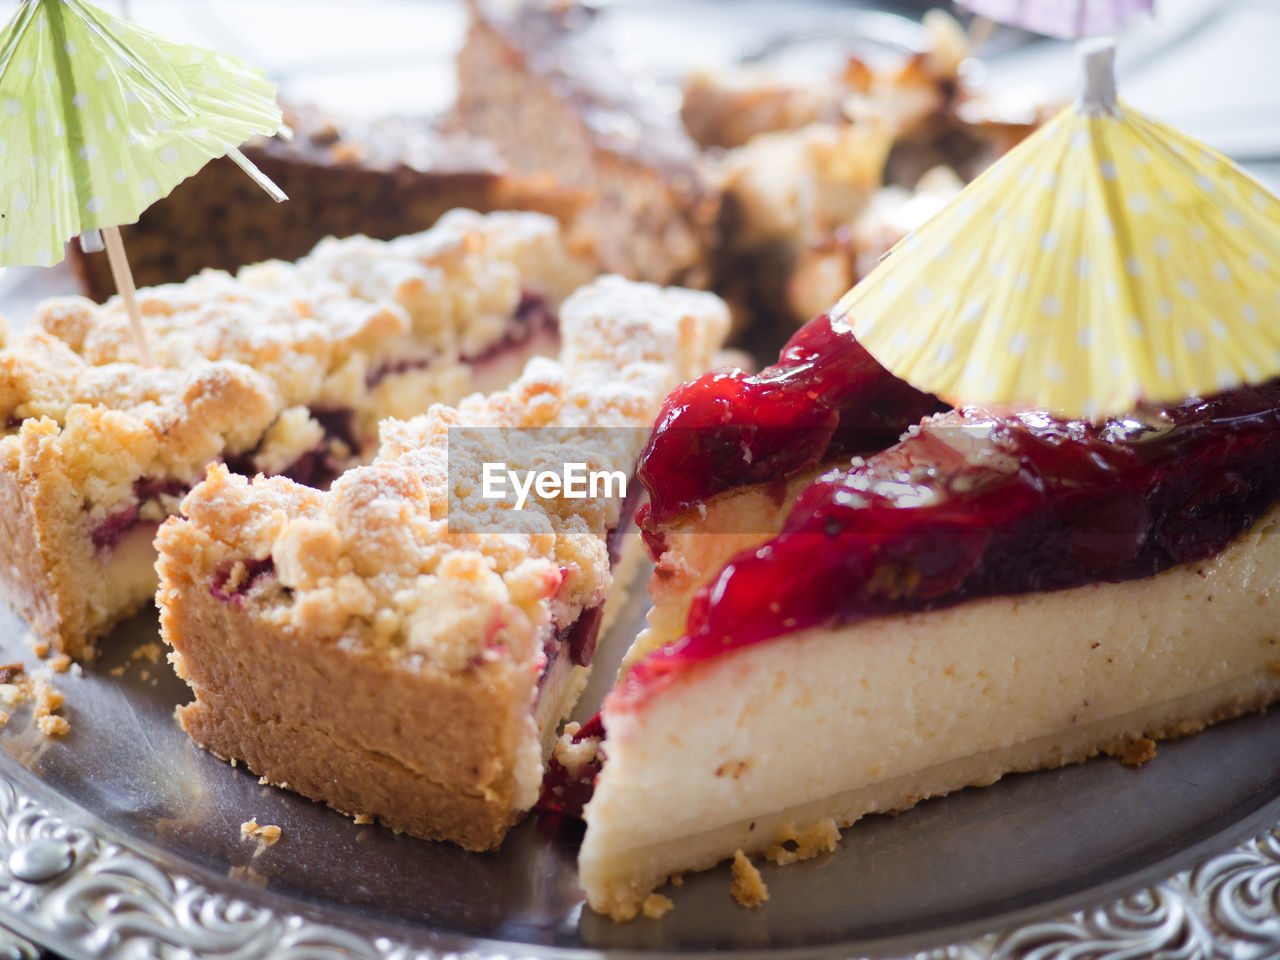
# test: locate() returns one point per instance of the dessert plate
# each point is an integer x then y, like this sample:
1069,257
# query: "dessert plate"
123,837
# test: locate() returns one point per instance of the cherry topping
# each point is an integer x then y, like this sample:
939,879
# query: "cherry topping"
972,504
824,397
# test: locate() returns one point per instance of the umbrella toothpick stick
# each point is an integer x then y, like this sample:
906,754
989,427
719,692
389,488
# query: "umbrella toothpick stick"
186,105
123,277
1098,93
256,175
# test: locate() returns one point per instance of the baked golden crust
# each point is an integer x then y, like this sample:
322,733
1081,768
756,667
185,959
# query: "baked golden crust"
364,733
359,647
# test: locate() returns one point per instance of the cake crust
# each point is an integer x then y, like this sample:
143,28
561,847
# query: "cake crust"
312,715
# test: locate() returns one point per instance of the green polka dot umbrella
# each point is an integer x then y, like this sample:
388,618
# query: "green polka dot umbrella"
1105,262
100,118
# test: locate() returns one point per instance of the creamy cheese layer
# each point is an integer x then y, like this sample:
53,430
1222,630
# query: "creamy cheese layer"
789,722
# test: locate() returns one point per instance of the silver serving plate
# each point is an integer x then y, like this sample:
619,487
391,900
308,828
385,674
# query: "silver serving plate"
123,840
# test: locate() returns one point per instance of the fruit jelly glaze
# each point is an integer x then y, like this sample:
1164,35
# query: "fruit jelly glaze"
826,396
974,504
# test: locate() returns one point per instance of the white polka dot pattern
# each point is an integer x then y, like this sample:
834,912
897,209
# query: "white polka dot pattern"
1106,261
103,136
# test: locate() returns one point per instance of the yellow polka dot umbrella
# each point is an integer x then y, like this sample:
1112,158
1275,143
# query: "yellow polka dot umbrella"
1106,261
100,118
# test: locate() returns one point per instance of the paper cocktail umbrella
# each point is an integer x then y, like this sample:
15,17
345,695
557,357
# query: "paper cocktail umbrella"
1106,261
100,118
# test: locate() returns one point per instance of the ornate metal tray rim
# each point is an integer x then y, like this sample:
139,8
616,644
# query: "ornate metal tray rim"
72,883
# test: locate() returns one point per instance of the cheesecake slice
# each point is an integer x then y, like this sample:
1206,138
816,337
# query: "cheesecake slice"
993,593
284,368
401,647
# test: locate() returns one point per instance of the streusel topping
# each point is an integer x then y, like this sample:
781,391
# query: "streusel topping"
322,328
377,554
114,423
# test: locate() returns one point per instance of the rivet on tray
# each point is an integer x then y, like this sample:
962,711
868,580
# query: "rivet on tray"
41,861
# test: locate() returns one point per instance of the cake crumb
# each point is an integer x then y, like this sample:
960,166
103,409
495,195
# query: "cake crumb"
116,671
12,673
53,725
1137,752
264,835
40,649
574,756
748,886
61,663
264,782
248,875
655,905
791,845
362,818
677,880
49,699
12,694
149,652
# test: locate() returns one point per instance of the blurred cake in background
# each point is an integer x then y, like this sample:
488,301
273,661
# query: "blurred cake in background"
538,80
777,192
384,178
821,178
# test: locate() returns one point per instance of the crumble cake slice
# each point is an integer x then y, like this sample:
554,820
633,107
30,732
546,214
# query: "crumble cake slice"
356,331
541,83
391,653
92,458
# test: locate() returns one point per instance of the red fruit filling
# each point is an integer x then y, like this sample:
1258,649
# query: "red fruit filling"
254,572
579,638
971,504
532,316
826,396
567,793
107,533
